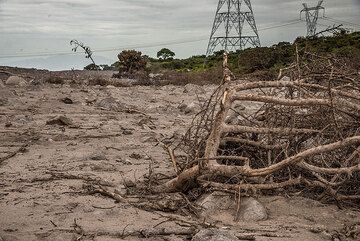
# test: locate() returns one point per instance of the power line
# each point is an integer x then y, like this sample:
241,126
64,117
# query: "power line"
154,44
340,21
282,25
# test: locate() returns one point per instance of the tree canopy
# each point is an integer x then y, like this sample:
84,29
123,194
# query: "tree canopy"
165,54
131,60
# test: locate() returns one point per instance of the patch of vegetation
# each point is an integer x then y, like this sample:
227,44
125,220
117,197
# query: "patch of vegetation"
262,63
92,67
166,54
98,81
266,61
55,80
131,61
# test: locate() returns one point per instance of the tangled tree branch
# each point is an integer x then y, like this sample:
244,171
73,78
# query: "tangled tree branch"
305,133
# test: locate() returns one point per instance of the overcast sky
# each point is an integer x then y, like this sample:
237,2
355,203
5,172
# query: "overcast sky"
43,26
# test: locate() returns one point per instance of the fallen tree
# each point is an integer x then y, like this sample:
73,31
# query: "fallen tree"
301,131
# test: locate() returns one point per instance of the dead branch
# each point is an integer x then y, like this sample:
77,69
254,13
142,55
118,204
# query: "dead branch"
20,150
93,189
173,158
262,130
55,176
339,170
247,187
252,143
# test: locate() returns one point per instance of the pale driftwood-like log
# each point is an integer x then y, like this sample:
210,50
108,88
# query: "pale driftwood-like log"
213,141
172,158
292,84
323,170
257,144
296,102
262,130
332,91
178,183
331,191
308,153
247,187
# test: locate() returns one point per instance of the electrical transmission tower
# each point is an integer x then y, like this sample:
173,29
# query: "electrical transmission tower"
312,16
230,15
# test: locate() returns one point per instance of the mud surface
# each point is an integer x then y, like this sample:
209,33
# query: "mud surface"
112,136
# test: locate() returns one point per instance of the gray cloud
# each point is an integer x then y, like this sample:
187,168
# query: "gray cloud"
48,25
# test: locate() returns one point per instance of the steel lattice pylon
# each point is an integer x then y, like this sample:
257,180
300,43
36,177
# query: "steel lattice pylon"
312,16
229,13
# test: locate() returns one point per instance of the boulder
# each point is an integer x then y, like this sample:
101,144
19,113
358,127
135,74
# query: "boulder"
220,206
252,210
214,235
16,81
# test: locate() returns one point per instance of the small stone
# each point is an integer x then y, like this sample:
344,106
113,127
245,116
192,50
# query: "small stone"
90,101
67,101
191,108
98,157
136,156
124,161
214,235
8,124
127,132
60,120
285,78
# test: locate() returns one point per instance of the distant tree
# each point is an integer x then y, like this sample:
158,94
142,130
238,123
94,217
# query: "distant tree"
87,49
131,61
165,54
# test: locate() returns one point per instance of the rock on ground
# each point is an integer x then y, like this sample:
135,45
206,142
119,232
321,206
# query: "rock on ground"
60,120
16,81
252,210
214,235
189,108
218,206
